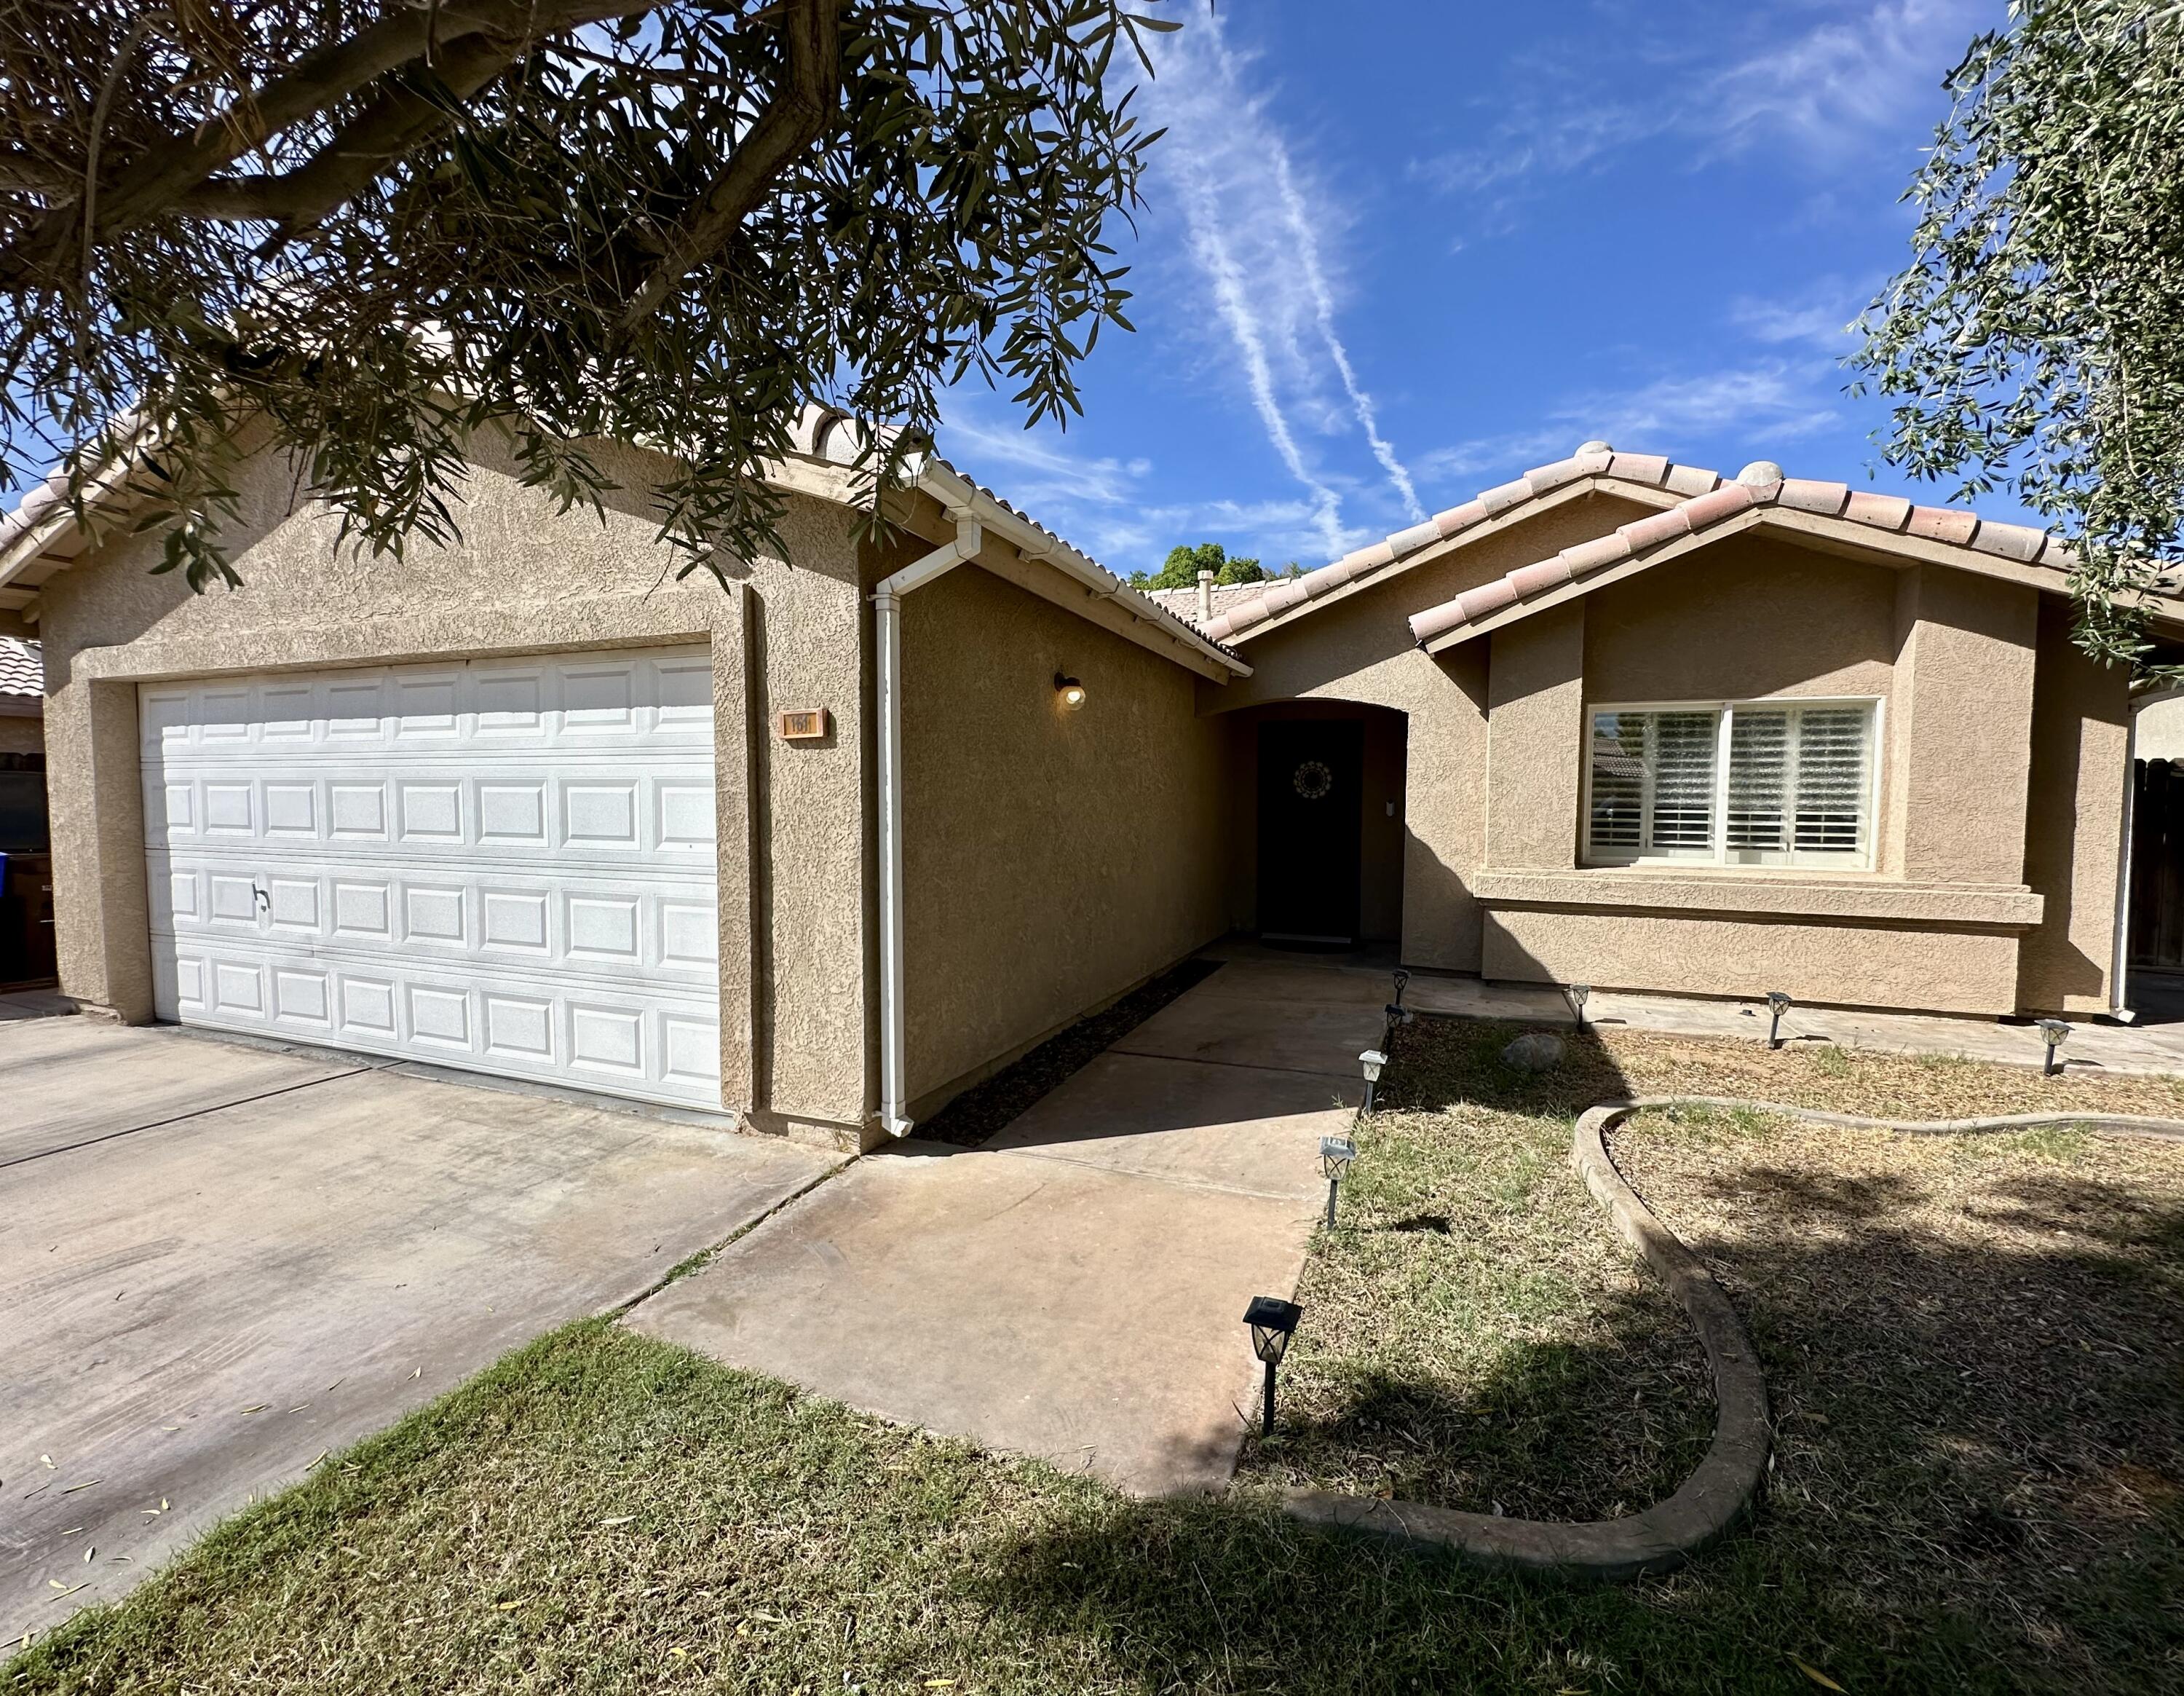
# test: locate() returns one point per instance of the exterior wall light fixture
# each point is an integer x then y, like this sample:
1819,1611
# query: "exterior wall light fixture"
1272,1320
1070,692
1336,1155
1372,1060
1578,994
2054,1032
1778,1003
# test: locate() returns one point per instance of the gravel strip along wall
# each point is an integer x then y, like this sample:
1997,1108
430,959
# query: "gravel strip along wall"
1724,1485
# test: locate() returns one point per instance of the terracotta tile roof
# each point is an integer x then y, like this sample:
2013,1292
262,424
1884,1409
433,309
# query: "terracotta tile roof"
1594,459
1702,498
22,667
1710,500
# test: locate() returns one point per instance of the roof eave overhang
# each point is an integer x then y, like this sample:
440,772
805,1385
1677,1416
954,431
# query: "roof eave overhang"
1839,536
1642,494
1083,584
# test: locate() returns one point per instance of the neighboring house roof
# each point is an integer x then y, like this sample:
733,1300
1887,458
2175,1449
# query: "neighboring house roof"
1693,502
22,667
1183,602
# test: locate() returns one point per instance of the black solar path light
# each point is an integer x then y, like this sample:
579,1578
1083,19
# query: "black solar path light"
2054,1032
1336,1155
1578,994
1778,1003
1396,1012
1272,1319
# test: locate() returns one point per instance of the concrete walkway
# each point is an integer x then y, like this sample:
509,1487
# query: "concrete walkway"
1076,1289
221,1261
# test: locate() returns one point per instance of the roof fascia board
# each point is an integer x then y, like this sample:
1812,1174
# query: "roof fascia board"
1140,619
1005,561
1644,495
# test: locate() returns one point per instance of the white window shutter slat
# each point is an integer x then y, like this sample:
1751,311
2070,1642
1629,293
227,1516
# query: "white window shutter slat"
1832,786
1683,758
1758,781
1615,820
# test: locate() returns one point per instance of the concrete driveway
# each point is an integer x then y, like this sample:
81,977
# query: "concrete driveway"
219,1262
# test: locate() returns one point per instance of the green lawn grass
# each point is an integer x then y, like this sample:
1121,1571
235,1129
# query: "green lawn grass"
601,1513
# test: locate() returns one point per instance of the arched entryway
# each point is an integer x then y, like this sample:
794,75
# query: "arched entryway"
1319,791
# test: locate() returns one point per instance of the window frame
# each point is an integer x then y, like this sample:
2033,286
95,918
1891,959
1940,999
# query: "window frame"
1719,860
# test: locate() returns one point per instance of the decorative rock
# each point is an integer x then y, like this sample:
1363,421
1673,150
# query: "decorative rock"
1535,1051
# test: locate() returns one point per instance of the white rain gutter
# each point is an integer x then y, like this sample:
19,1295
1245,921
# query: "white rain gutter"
974,512
887,636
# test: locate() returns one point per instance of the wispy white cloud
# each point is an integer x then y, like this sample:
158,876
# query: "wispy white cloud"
1766,403
1301,226
1866,69
1253,229
1105,505
1817,316
1209,244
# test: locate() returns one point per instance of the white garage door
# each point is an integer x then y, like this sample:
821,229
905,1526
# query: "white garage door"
505,865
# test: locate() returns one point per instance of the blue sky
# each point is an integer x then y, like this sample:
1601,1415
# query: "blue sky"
1396,254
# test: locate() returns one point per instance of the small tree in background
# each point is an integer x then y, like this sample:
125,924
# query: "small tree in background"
2037,340
1183,564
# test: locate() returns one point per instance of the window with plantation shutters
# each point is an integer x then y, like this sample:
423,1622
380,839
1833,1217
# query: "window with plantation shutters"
1749,784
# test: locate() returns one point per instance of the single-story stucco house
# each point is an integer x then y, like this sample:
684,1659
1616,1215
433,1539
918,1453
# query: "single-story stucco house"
823,847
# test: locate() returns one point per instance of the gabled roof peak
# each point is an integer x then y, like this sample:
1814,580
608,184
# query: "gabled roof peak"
1697,498
1760,490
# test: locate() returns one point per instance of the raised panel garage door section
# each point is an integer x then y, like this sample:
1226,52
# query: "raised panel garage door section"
504,865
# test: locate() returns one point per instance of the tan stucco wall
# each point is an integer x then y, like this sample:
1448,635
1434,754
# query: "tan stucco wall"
1950,655
1938,970
1959,744
1051,860
1749,617
793,824
2073,837
1534,726
1361,649
20,735
2160,730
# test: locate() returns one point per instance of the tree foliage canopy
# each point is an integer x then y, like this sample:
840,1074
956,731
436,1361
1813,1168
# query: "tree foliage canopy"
374,226
1181,568
2037,340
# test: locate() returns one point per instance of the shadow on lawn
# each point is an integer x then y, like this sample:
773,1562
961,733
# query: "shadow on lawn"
1978,1385
1979,1485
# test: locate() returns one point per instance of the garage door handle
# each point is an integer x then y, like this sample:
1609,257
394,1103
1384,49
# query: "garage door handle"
264,900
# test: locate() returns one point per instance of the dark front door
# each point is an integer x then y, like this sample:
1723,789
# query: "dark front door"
1311,782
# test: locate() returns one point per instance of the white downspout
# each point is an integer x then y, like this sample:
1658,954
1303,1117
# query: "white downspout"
886,634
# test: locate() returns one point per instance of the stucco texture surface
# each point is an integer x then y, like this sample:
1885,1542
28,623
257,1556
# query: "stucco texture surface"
520,579
2074,834
1361,649
1051,859
1996,832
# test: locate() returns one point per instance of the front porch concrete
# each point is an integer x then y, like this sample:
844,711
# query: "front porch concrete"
1075,1289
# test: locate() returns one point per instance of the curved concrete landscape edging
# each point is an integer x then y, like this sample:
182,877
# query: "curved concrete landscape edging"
1725,1483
